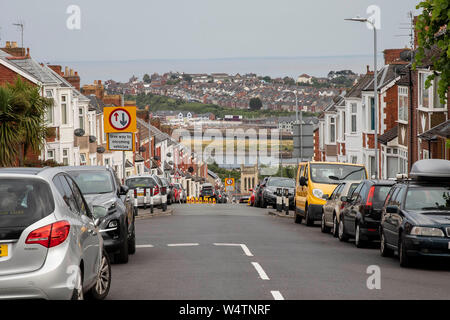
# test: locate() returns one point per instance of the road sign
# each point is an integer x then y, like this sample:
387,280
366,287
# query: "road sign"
119,119
229,184
120,141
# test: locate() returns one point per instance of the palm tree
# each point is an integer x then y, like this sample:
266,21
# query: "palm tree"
23,127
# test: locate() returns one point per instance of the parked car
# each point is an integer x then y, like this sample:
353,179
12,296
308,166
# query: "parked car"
416,214
137,184
47,229
332,208
221,196
167,186
269,193
162,188
314,179
259,191
244,199
361,216
180,193
101,187
208,191
252,197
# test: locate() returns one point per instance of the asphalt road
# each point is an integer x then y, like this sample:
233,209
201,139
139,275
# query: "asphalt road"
236,252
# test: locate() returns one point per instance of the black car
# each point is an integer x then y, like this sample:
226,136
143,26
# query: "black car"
208,191
103,191
269,194
416,214
361,216
259,191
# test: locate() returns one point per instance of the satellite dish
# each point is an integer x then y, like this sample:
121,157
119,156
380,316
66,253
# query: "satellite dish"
170,162
156,158
406,55
169,154
92,139
191,169
100,149
79,132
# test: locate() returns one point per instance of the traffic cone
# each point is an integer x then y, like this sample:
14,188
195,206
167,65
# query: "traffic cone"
214,201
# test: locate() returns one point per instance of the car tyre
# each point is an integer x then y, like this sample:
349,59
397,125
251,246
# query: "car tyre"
101,288
263,203
405,260
122,256
335,230
384,250
359,243
323,226
308,220
132,242
298,218
341,232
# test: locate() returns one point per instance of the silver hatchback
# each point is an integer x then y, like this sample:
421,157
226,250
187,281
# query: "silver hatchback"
50,247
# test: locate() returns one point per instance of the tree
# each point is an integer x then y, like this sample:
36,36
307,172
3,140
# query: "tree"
22,122
267,79
255,104
289,81
146,78
434,42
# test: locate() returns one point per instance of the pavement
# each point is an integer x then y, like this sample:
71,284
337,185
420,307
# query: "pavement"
237,252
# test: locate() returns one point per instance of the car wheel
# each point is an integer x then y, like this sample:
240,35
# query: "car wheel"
335,230
309,221
122,256
101,288
405,260
359,243
384,250
263,203
341,231
298,218
323,226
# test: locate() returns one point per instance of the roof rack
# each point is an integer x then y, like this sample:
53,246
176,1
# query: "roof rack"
430,169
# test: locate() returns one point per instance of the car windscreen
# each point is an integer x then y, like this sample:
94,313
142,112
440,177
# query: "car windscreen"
334,173
134,183
351,189
93,182
22,203
285,183
428,198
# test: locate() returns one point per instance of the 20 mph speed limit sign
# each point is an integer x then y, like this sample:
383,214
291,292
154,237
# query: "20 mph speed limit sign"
119,119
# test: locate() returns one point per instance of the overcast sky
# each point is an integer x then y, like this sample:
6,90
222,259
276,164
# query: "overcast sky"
198,29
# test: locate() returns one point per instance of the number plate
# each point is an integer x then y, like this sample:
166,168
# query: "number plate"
140,194
3,250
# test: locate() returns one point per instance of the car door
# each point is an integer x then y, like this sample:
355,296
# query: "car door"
329,206
397,218
90,241
388,222
303,191
351,210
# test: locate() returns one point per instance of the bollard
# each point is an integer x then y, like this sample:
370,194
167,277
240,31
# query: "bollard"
145,198
286,201
164,198
135,202
279,200
214,201
151,200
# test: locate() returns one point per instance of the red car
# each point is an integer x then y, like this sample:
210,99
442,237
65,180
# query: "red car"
251,201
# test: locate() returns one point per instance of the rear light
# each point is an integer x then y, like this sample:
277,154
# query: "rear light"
343,205
156,190
370,197
135,193
51,235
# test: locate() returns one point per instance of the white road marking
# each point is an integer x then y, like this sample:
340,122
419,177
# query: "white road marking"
260,271
277,295
144,246
243,246
182,244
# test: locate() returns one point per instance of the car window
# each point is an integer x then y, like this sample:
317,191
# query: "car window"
379,196
134,183
66,192
335,173
337,191
352,188
23,202
287,183
357,191
78,197
428,198
93,181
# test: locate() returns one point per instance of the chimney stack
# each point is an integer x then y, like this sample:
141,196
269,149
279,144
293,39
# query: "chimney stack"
12,49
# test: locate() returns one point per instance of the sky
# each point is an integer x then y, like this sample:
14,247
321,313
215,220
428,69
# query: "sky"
200,29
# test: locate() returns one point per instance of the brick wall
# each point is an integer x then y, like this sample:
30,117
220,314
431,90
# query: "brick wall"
9,76
391,108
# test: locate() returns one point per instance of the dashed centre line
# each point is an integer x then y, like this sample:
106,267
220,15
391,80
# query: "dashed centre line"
243,246
182,244
277,295
144,246
260,270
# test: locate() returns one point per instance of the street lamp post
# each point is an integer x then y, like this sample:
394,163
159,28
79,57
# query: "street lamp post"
299,122
375,88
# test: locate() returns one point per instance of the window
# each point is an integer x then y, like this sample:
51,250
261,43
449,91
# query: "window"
436,99
343,125
82,159
353,117
50,154
355,193
424,94
372,113
77,196
332,130
354,159
403,104
64,189
64,113
49,94
65,157
392,167
81,117
93,182
372,165
107,162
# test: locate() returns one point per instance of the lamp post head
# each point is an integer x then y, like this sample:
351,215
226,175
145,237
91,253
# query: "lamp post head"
357,19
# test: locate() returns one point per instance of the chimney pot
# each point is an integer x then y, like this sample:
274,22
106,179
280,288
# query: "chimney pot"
8,44
66,71
14,44
28,52
76,73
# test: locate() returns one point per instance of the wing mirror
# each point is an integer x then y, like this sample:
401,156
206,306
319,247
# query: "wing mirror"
391,209
123,190
303,181
326,197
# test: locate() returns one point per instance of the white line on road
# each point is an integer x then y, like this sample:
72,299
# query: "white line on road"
260,271
182,244
243,246
277,295
144,246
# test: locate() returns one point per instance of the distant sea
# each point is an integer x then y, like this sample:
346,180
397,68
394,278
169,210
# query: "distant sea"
271,66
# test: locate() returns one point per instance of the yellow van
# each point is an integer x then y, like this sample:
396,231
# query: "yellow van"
316,181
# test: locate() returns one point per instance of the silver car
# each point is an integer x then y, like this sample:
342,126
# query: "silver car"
137,185
50,247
